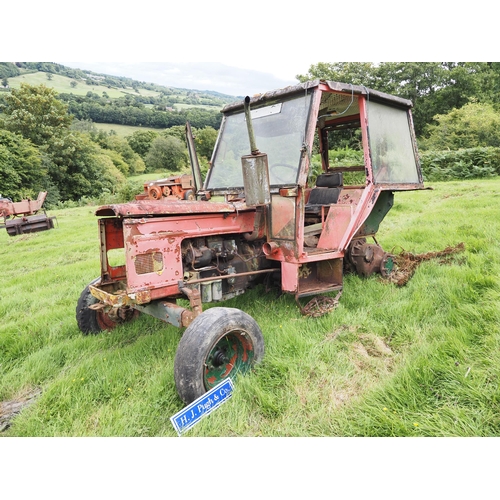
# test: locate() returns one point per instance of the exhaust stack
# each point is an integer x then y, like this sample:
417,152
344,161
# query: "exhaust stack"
255,169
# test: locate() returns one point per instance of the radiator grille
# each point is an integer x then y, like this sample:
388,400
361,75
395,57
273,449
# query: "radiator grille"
148,263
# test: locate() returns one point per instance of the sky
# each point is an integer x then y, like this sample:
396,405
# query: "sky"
241,48
215,76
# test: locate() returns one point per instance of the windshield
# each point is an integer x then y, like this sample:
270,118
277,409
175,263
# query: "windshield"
279,131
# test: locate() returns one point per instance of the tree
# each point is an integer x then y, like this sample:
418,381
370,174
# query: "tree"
8,70
73,84
140,141
49,76
79,168
21,168
35,113
134,164
166,154
433,87
84,126
117,160
357,73
205,141
178,131
473,125
75,165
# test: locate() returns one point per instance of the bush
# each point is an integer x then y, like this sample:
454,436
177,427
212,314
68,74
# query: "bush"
129,190
472,163
473,125
166,154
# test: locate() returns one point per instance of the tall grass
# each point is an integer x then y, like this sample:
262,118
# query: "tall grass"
420,360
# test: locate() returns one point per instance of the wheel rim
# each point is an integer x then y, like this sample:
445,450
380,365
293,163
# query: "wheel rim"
104,321
232,354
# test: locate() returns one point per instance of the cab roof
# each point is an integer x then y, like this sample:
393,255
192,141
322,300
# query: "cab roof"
346,88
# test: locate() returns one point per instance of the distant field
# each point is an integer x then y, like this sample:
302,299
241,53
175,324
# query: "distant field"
62,84
123,130
181,106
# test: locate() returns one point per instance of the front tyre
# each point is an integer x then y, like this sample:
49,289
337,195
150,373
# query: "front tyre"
221,342
97,320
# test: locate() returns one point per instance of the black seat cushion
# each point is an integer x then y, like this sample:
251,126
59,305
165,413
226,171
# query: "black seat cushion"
323,196
330,180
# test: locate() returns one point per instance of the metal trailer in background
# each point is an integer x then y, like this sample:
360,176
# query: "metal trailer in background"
24,217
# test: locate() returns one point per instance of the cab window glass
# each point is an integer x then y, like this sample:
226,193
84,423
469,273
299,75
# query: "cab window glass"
391,147
279,132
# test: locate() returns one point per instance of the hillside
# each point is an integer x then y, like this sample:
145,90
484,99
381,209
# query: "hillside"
120,101
84,81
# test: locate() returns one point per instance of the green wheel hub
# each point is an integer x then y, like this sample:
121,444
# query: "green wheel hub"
387,266
232,354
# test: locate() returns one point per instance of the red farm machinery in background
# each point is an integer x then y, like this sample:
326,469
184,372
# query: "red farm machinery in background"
24,216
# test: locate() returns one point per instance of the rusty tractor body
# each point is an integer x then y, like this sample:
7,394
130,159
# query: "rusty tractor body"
24,217
255,219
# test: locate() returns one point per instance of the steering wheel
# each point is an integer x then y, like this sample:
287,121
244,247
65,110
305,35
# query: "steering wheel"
274,170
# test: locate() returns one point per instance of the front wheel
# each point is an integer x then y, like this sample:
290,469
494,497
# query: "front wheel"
221,342
92,320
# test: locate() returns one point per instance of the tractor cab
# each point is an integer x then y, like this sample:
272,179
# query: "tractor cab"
310,220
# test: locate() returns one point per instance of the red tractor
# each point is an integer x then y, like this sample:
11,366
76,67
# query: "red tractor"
256,218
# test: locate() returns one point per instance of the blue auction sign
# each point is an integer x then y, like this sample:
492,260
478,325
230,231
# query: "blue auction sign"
201,407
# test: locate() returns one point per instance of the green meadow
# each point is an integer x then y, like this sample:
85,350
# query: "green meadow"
418,360
62,84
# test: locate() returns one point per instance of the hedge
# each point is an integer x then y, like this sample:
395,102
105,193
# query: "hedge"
470,163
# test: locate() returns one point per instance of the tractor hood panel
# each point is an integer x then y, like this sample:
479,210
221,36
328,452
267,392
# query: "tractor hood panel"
144,208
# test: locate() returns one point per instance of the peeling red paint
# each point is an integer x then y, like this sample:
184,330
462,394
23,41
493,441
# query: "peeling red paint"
174,247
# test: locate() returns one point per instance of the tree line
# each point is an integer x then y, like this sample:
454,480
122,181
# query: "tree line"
168,95
435,88
131,113
52,144
456,110
43,147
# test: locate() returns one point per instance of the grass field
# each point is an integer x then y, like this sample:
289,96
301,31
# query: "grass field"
418,360
123,130
62,84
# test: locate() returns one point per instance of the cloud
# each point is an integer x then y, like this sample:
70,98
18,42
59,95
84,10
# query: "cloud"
213,76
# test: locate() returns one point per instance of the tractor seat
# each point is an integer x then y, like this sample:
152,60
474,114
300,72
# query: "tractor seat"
326,192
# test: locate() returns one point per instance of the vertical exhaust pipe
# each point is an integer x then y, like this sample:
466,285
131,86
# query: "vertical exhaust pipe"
253,146
255,169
